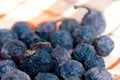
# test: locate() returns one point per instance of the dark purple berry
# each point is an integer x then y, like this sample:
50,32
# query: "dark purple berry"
97,73
61,38
84,34
46,76
21,27
16,75
6,66
43,30
60,54
69,24
83,51
103,45
70,68
14,49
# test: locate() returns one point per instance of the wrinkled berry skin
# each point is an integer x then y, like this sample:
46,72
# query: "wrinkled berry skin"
21,27
6,66
61,38
103,45
94,61
72,78
69,24
40,61
13,49
6,35
44,29
16,75
97,73
60,54
84,34
95,19
46,76
83,51
29,37
70,68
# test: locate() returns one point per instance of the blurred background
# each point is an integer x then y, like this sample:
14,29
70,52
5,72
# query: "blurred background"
37,11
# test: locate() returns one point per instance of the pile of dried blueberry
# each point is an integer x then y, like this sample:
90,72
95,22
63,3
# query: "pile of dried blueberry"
74,52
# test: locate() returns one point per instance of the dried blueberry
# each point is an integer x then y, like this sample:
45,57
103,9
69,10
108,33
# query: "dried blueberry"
69,24
83,51
61,38
72,78
84,34
70,68
94,61
60,54
21,27
13,49
40,61
44,29
16,75
95,19
103,45
6,66
46,76
97,73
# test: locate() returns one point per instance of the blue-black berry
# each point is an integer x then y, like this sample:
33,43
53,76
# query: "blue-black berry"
83,51
70,68
21,27
69,24
103,45
97,73
6,66
62,38
15,75
84,34
46,76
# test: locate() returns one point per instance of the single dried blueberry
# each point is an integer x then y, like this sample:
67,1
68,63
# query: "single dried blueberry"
40,61
44,29
62,38
94,61
84,34
14,49
95,19
103,45
15,75
21,27
69,24
83,51
46,76
70,68
6,66
97,73
60,54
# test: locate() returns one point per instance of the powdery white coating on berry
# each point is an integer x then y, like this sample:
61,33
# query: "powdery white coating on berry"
46,76
70,68
103,45
16,75
97,73
6,66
